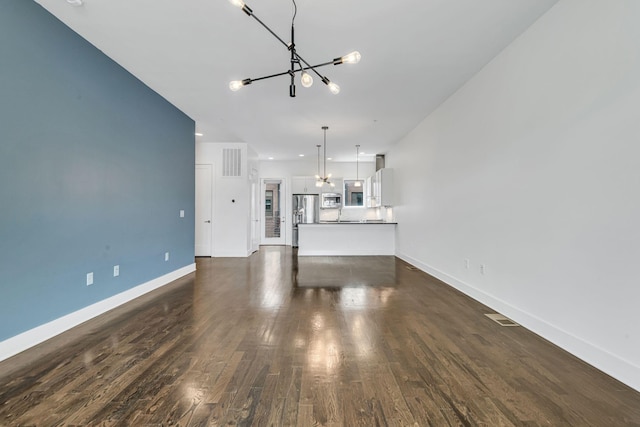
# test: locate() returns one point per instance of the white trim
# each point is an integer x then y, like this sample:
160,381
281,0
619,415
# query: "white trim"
345,252
232,254
14,345
621,369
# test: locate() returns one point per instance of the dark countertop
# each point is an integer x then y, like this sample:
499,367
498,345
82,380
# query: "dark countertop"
370,222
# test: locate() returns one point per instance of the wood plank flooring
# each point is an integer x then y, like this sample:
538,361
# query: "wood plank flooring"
272,340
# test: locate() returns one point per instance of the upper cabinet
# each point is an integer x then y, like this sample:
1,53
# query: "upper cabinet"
304,185
379,188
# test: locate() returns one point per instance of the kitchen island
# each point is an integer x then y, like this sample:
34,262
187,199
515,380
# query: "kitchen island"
347,238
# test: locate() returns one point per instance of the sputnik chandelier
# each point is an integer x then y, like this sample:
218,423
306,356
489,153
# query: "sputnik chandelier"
321,180
297,63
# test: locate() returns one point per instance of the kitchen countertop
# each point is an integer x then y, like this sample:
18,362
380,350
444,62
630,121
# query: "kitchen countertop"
350,223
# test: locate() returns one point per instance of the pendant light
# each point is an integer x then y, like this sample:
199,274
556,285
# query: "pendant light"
358,183
321,180
318,180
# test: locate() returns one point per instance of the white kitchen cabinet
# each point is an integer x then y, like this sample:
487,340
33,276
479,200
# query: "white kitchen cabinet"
380,186
304,185
369,198
347,239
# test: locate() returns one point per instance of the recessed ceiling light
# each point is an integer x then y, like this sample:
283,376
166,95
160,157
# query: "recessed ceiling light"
270,158
199,134
362,152
329,158
300,155
75,2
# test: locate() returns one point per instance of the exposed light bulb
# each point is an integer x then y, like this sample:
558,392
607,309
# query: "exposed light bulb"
319,183
351,58
332,184
334,88
306,79
238,3
358,184
236,85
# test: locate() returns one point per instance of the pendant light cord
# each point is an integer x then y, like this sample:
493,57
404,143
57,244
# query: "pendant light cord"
295,12
325,153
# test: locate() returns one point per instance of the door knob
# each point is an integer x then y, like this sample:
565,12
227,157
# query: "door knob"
208,221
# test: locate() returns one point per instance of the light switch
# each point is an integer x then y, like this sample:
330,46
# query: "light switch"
181,213
116,270
89,279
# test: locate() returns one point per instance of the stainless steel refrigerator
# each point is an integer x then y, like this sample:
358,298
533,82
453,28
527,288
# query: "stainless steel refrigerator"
306,210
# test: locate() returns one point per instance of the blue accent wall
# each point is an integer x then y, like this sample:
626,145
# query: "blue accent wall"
94,169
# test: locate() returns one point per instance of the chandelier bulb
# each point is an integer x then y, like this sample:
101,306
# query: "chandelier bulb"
306,79
358,184
351,58
238,3
334,88
235,85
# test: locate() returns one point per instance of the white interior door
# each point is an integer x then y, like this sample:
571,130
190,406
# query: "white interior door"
273,215
204,209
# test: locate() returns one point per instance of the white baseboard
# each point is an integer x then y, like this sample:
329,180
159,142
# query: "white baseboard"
14,345
231,255
346,252
619,368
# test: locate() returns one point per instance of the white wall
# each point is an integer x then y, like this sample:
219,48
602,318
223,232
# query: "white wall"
231,203
533,169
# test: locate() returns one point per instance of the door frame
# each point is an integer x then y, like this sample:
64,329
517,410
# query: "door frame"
255,211
264,240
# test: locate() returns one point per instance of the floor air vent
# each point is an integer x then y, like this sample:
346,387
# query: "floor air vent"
501,320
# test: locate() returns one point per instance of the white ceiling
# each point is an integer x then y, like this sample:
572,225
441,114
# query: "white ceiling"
415,54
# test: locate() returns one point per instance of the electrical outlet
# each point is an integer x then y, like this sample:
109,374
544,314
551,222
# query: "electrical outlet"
483,269
466,263
89,278
116,270
166,256
181,213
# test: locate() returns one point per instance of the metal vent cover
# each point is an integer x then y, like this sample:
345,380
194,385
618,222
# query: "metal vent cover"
501,320
231,162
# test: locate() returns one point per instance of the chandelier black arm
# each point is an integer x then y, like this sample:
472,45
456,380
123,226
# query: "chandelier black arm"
246,9
313,67
249,12
289,72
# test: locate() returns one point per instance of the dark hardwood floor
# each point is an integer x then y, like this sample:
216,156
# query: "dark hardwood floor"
271,340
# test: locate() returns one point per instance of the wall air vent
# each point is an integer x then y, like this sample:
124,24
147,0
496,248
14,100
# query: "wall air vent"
231,162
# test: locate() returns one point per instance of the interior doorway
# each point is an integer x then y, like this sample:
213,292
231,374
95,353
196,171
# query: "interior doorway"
272,215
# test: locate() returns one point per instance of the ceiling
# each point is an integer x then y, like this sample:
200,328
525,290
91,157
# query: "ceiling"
415,54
